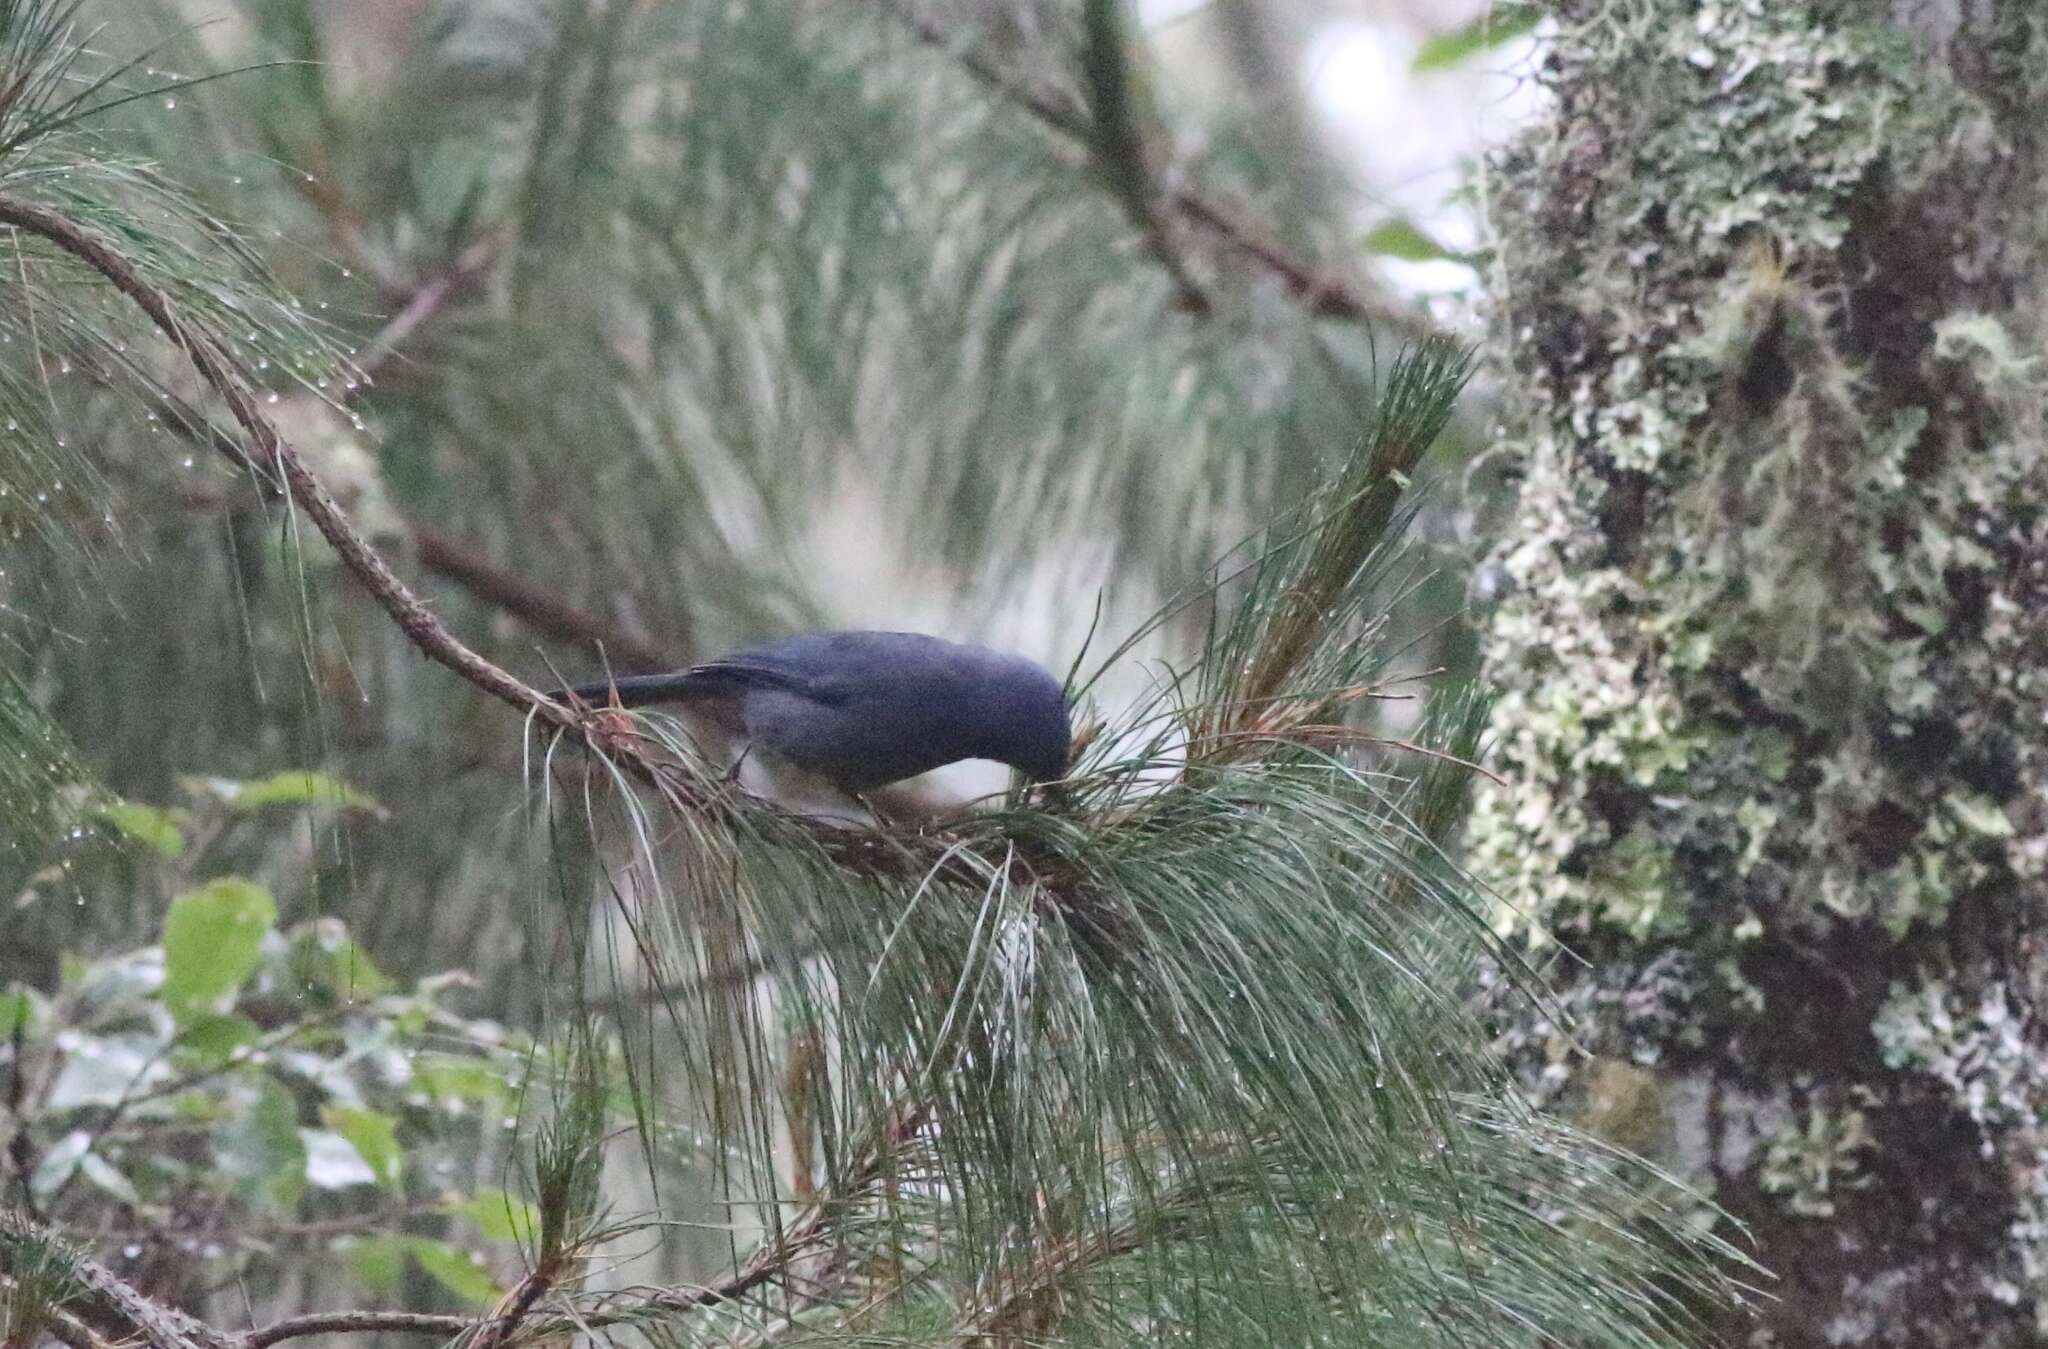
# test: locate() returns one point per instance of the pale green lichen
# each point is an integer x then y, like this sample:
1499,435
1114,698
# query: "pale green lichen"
1813,1162
1975,1044
1774,671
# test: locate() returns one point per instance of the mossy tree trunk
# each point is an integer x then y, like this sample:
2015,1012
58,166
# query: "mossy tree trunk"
1773,632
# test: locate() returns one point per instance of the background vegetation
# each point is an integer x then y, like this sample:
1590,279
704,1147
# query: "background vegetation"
363,368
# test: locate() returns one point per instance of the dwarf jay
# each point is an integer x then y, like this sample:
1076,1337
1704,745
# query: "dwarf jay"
861,710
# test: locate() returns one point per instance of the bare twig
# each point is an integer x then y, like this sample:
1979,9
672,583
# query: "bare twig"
422,305
544,612
357,1323
68,1330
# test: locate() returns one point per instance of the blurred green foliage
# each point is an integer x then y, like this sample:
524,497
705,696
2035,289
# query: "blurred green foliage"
243,1096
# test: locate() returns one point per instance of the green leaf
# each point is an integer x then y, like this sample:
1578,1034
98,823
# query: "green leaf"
293,789
378,1262
1404,240
18,1013
374,1136
500,1215
213,940
1500,25
455,1271
146,824
332,1162
448,1077
323,957
259,1148
211,1039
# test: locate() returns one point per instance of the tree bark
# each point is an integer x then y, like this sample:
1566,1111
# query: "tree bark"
1773,633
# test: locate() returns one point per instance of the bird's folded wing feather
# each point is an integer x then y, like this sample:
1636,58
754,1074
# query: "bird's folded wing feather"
754,673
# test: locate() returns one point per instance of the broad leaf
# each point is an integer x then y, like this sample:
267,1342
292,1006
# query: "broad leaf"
108,1177
57,1164
102,1070
19,1012
260,1148
213,940
455,1270
374,1136
378,1262
293,789
146,824
332,1162
1405,240
209,1040
501,1216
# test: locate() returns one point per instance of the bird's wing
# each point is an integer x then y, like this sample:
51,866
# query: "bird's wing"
830,668
751,672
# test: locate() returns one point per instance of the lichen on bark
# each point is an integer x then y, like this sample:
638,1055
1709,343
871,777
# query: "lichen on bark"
1772,640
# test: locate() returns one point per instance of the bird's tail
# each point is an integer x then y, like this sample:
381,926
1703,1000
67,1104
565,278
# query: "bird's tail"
642,690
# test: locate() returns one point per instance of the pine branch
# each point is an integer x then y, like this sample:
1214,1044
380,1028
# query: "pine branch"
357,1323
1326,294
448,557
59,1324
423,305
1117,134
124,1312
542,610
771,1263
873,855
215,367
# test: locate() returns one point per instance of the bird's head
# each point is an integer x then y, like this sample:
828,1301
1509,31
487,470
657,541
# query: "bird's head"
1028,727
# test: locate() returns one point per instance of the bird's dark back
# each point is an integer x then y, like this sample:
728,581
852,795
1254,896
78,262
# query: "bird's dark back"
868,708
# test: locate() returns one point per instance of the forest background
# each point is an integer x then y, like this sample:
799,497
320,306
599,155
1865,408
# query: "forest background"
1557,844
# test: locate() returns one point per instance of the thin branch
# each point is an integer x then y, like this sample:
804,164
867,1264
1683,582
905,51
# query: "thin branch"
1024,1292
1326,294
1117,135
871,854
216,368
770,1263
357,1323
544,612
73,1333
422,305
450,558
499,1327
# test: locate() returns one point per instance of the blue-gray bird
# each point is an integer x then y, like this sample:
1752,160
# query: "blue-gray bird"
862,710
